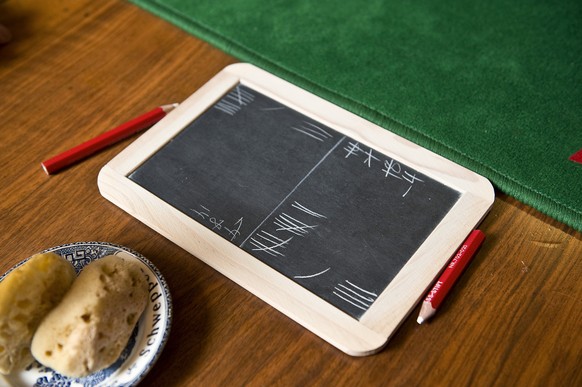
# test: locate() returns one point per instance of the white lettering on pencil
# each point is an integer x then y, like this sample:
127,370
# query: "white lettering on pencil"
458,256
434,291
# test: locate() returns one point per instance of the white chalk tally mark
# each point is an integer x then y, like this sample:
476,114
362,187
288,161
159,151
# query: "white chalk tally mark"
355,295
294,189
312,275
285,222
269,243
234,101
312,130
301,207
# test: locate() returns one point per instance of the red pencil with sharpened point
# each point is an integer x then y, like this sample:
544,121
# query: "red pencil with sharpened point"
86,149
446,281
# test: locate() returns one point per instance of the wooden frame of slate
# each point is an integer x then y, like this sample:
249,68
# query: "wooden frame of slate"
336,222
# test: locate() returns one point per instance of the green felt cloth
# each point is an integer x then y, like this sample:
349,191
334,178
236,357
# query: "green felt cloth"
493,85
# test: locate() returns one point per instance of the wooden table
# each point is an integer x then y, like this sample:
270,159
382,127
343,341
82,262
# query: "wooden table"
77,68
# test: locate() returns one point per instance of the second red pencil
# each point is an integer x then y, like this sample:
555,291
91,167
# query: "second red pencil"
450,275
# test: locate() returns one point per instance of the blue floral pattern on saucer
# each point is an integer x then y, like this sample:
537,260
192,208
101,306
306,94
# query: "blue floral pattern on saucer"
145,344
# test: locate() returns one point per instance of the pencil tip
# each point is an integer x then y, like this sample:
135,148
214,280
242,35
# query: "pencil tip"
170,107
44,168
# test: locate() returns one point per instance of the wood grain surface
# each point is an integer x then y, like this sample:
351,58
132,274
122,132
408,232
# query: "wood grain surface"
75,69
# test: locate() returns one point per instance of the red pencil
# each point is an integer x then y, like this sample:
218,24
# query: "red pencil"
450,275
65,159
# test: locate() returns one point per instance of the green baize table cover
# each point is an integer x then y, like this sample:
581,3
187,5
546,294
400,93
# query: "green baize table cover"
492,85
